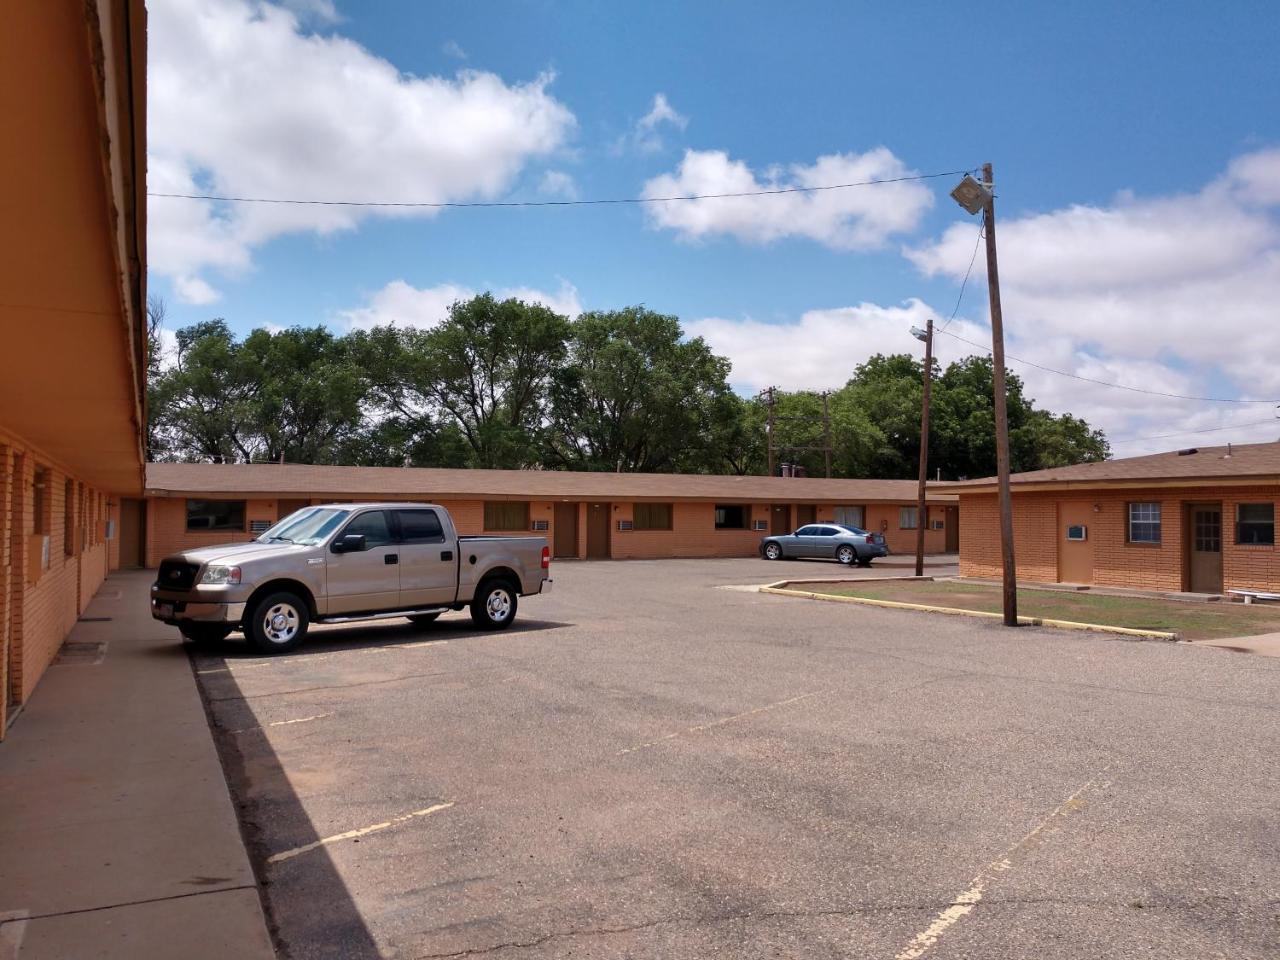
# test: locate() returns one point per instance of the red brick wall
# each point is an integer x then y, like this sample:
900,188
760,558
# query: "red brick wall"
693,533
38,610
1116,562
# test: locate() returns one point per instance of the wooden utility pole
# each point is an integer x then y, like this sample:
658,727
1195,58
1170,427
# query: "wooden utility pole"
922,507
1002,413
768,430
826,431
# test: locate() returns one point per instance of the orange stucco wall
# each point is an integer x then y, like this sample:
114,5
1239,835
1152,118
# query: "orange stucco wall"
1116,563
693,532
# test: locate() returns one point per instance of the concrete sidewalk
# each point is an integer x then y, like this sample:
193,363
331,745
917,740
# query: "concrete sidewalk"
117,834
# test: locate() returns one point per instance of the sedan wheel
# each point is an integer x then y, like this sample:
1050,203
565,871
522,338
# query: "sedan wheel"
846,555
772,552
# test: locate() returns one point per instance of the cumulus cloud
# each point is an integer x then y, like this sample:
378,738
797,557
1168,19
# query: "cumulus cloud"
243,101
816,352
1176,293
647,135
451,48
858,218
401,304
557,183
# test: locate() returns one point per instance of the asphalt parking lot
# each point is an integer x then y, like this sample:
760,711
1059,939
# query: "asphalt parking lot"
649,765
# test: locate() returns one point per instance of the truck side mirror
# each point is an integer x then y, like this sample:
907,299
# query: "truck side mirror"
351,543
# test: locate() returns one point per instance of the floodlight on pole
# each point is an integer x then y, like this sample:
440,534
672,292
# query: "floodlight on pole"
972,194
920,334
976,196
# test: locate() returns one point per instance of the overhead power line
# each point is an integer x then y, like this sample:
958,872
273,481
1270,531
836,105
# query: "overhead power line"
965,282
556,203
1187,433
1105,383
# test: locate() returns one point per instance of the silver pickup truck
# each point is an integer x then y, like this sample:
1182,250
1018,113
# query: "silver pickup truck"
341,562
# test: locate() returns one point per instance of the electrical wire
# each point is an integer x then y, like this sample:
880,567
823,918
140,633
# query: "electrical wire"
1104,383
556,203
1185,433
982,229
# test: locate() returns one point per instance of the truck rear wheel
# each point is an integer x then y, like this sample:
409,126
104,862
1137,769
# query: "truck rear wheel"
494,605
277,622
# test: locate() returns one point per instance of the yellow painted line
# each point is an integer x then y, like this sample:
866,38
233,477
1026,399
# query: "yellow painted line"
352,834
961,612
967,899
718,723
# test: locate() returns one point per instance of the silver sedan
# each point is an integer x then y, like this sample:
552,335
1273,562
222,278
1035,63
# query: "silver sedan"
829,541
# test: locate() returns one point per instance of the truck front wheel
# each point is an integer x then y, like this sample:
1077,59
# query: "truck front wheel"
494,605
209,633
277,622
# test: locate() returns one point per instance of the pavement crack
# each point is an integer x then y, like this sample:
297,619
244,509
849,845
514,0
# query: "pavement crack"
331,686
860,909
127,903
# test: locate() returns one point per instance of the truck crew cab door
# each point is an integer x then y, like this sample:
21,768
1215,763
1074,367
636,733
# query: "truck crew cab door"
368,579
428,560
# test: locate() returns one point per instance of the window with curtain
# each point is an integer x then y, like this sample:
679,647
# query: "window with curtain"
1144,523
506,515
652,516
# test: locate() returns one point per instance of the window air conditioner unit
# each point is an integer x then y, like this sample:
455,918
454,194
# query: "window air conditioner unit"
542,525
626,525
760,525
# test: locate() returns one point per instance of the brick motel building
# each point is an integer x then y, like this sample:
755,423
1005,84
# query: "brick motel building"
583,515
72,317
1198,520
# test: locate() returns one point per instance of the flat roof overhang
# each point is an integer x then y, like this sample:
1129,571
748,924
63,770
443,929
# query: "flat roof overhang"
72,255
438,495
1084,486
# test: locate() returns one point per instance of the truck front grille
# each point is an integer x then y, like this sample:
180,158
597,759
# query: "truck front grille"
175,575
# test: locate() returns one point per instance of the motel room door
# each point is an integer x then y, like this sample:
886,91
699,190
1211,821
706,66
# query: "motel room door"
132,532
1204,547
780,518
1075,544
566,532
805,513
598,516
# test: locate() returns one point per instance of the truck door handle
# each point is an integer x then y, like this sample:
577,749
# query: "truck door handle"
391,558
446,555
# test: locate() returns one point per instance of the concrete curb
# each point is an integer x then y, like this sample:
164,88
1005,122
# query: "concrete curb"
958,612
782,584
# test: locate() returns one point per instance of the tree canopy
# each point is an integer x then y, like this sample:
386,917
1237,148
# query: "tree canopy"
509,384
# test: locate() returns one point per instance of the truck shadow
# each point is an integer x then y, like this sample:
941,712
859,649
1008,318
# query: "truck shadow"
387,633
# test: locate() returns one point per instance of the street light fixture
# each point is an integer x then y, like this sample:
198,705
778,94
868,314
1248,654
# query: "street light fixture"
971,194
922,506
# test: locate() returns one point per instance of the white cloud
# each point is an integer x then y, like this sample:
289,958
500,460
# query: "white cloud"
817,352
557,183
321,11
451,48
193,290
857,218
1176,294
402,304
244,102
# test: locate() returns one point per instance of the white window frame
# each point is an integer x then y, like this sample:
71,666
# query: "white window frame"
1146,513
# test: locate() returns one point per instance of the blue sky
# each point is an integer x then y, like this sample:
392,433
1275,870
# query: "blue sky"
1117,131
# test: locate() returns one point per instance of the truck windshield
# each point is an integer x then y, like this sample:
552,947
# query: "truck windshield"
308,526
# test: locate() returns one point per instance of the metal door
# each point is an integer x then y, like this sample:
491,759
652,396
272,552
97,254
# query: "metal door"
780,519
369,579
428,565
1204,547
805,513
566,530
1075,545
598,518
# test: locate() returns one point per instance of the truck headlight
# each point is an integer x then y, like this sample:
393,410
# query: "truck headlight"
221,575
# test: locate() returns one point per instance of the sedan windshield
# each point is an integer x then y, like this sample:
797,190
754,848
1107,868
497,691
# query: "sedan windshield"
308,526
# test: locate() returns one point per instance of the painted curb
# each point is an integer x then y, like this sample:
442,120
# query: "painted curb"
782,584
958,612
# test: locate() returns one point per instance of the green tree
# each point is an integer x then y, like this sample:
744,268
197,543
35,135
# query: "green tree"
484,376
635,396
